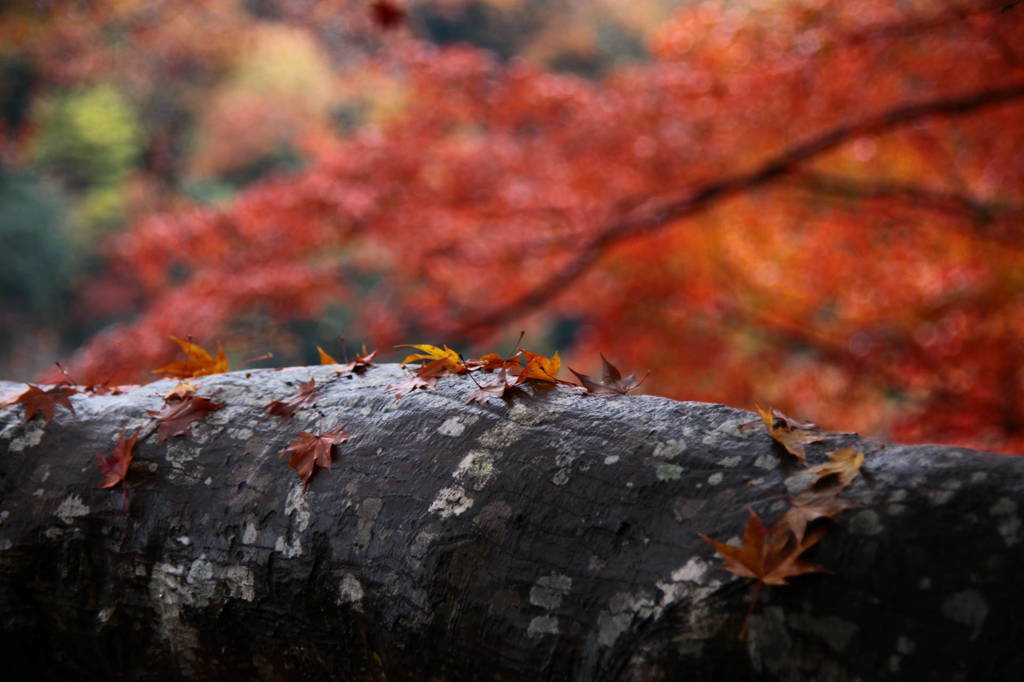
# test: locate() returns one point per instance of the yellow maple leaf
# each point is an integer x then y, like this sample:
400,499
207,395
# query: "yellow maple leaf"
450,360
200,362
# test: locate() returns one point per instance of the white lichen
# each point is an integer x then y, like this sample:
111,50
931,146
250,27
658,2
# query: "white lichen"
451,501
71,508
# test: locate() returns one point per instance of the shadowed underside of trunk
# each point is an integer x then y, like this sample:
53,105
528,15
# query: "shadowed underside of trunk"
550,537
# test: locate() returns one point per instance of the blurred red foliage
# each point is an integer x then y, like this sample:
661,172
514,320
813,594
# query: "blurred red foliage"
816,204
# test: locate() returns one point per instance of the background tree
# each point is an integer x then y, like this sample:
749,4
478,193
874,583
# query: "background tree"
809,203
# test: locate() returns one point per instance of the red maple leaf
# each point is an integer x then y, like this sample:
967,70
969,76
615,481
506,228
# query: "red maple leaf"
176,419
767,555
114,467
304,396
310,450
45,402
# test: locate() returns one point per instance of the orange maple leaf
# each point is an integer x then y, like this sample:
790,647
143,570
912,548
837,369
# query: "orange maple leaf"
540,368
200,362
309,451
767,555
36,400
176,419
304,396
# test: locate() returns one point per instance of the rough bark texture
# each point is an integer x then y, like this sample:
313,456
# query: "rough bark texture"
550,538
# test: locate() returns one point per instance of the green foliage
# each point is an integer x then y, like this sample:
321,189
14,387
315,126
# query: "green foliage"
87,138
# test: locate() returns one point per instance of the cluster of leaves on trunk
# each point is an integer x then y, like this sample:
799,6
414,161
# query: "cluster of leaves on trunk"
184,407
771,554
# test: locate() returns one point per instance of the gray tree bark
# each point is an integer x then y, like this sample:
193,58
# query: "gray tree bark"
552,537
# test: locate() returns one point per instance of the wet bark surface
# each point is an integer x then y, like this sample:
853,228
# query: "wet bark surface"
552,537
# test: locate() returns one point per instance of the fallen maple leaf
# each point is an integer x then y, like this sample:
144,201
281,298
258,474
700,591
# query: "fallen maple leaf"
498,389
810,505
448,358
200,362
493,361
304,396
767,555
844,464
115,466
310,450
788,432
540,368
425,377
36,400
176,418
181,391
611,382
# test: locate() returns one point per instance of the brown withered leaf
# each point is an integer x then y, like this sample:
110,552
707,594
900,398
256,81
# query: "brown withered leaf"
362,361
425,377
844,464
38,401
200,362
611,382
177,418
768,555
306,395
309,451
810,505
501,388
539,368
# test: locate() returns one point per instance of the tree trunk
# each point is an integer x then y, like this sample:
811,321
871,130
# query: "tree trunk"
550,537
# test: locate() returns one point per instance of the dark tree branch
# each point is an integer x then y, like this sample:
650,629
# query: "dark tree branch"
698,199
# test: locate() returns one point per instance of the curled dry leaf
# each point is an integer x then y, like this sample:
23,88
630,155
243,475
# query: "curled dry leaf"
309,451
36,400
789,433
176,419
425,377
540,368
501,388
200,362
306,395
768,555
611,382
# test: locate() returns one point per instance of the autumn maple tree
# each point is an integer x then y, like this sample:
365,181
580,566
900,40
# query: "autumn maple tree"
814,204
